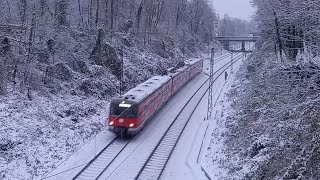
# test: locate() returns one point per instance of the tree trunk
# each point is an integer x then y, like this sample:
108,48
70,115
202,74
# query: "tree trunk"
278,34
30,40
111,14
106,13
23,22
90,14
80,12
97,12
9,9
139,13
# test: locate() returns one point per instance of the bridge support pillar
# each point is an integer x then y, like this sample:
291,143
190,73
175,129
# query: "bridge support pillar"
243,46
226,45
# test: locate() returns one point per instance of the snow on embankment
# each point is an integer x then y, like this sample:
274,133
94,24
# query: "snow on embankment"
272,125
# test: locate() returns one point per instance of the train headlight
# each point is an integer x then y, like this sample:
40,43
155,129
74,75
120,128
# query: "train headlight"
131,125
111,123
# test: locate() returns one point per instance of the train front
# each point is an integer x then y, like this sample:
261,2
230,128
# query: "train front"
123,117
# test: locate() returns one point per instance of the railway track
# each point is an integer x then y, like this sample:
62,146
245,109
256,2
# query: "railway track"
98,165
158,159
220,58
95,168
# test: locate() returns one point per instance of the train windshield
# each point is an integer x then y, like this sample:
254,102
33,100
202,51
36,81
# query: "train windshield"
124,111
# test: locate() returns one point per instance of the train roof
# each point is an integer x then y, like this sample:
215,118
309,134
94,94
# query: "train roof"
187,63
192,61
176,71
144,89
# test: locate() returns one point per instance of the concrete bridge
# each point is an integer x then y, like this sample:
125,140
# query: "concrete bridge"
225,41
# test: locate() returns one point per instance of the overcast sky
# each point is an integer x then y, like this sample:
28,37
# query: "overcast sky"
235,8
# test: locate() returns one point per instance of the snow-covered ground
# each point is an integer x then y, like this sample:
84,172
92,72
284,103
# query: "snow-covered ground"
36,150
36,135
213,146
185,155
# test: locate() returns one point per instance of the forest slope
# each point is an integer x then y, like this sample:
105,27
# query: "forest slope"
272,128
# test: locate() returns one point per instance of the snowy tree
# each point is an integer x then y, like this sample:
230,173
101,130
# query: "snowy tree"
234,27
289,24
55,31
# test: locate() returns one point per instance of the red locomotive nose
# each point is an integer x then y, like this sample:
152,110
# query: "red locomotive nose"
123,122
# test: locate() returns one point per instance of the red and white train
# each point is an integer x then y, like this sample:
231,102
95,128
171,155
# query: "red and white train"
130,112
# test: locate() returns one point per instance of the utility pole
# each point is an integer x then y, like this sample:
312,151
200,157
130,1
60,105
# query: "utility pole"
210,102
